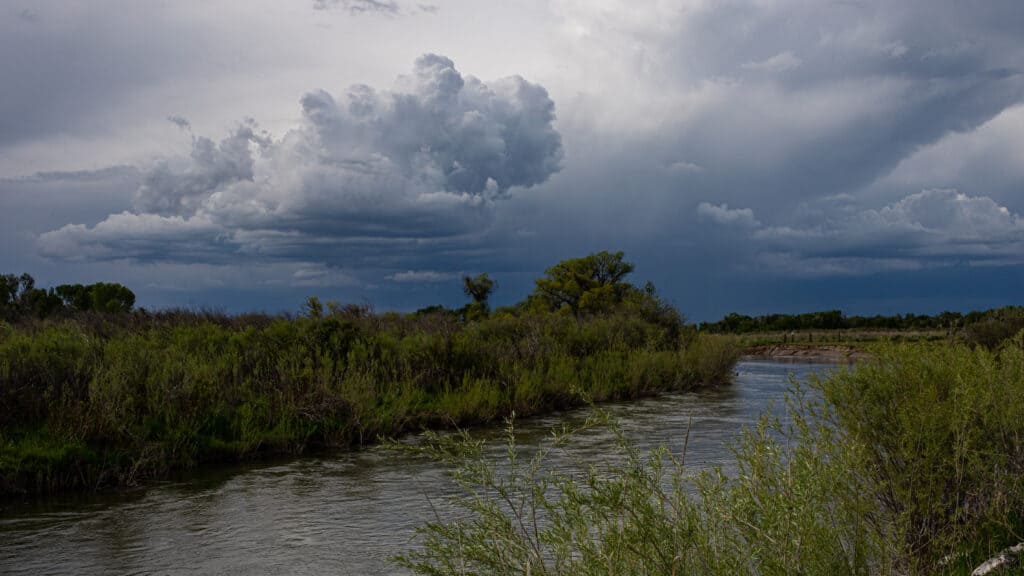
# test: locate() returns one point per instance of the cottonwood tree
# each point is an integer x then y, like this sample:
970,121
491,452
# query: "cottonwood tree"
593,283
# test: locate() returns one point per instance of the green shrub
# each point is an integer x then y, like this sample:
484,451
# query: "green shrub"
153,394
943,430
912,463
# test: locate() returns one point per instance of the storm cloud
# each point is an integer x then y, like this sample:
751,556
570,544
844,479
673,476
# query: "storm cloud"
747,155
421,163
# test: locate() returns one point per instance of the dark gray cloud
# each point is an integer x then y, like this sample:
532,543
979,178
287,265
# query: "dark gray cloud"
737,151
792,142
375,174
797,100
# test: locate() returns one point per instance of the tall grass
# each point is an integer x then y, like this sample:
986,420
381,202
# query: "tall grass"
89,402
909,464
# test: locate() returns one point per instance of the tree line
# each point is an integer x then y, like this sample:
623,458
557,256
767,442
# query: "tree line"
19,298
835,320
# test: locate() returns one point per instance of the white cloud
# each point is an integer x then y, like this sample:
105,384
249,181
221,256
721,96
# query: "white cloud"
317,275
953,216
135,236
722,214
935,227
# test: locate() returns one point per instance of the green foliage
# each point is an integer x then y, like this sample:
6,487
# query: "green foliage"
111,298
912,463
142,395
20,298
145,393
991,328
584,285
943,431
479,287
313,307
631,513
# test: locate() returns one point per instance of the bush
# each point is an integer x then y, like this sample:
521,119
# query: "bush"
943,431
912,463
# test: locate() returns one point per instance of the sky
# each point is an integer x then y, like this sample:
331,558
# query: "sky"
751,156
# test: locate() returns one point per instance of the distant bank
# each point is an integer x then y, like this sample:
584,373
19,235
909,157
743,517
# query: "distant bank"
839,353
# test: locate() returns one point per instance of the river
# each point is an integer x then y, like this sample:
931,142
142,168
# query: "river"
337,514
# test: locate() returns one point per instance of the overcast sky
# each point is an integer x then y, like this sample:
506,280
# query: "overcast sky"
751,156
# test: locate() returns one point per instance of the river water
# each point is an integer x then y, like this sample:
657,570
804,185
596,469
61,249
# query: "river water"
343,513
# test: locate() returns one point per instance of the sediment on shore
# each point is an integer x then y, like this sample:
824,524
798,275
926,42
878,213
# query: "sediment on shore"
810,353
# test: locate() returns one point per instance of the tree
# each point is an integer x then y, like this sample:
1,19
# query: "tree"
20,297
313,308
8,295
75,296
111,297
479,288
589,284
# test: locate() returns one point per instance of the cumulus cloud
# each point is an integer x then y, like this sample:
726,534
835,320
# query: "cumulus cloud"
935,227
136,236
413,166
954,215
181,186
722,214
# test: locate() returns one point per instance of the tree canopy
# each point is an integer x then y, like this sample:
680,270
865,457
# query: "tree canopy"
588,284
20,297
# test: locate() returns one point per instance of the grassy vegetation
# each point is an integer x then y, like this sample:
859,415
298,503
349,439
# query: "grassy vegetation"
912,463
97,400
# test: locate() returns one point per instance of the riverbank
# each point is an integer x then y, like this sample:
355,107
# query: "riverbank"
837,353
911,463
346,512
95,402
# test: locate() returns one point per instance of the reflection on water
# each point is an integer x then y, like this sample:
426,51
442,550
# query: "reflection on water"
341,514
